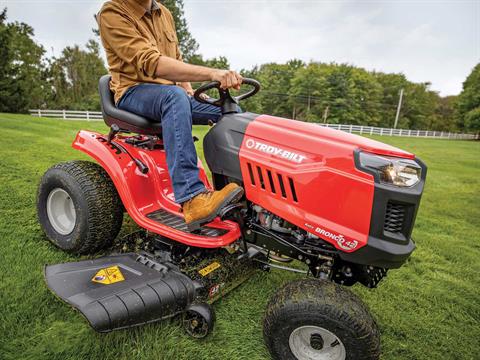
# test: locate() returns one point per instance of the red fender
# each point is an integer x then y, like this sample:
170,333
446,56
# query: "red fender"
142,194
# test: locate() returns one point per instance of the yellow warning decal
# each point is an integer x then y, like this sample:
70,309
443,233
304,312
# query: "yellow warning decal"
108,276
207,270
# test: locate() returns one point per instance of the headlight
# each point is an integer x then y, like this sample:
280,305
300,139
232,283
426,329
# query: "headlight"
392,170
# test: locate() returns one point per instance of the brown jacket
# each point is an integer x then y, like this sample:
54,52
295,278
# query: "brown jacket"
134,38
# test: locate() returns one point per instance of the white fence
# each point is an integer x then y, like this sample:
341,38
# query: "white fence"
359,129
68,114
371,130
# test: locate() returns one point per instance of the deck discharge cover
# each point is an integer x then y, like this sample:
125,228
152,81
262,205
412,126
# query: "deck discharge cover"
121,291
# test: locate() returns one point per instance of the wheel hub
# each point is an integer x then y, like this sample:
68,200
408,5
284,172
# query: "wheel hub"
195,325
316,343
61,211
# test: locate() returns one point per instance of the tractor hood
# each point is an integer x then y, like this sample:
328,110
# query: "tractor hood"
302,136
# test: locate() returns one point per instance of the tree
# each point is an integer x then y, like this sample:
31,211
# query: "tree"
391,86
21,67
421,107
350,95
220,62
7,85
276,82
74,77
468,102
445,114
418,109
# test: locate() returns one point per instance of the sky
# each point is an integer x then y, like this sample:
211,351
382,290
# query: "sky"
427,40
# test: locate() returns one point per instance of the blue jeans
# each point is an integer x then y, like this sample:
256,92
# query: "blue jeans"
175,109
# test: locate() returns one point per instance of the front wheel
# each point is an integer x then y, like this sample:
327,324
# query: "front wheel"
314,319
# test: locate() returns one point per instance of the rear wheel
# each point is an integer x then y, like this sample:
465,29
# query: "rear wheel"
78,207
315,319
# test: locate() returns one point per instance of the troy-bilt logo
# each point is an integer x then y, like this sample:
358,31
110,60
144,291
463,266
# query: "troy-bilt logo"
341,241
269,149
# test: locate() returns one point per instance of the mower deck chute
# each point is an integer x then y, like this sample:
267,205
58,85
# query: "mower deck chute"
121,291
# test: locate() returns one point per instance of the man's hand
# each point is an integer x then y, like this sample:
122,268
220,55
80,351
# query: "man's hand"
188,88
227,78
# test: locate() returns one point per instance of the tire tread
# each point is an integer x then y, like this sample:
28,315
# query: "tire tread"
325,300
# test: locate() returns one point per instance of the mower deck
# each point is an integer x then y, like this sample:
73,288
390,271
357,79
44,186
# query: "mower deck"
122,291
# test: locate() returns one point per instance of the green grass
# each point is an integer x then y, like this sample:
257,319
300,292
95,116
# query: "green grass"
428,309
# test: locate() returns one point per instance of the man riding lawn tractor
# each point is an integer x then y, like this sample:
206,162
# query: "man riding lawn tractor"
342,205
149,78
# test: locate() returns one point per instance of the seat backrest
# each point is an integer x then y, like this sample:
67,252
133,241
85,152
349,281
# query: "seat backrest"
124,119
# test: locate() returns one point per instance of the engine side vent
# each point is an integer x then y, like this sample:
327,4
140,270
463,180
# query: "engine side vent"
270,179
250,172
260,177
394,217
282,185
292,189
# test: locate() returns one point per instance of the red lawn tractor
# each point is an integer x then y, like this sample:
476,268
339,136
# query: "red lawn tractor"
341,205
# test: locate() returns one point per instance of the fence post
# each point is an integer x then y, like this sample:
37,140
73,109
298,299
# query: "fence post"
64,114
391,131
39,113
371,130
88,116
351,128
381,131
361,129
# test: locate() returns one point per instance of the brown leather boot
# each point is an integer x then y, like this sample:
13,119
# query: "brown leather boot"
204,207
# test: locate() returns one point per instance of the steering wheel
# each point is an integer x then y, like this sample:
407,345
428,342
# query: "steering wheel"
226,101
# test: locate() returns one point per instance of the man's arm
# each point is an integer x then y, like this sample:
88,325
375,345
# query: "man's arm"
215,76
174,70
122,36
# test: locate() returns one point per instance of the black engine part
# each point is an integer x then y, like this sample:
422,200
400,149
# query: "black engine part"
349,274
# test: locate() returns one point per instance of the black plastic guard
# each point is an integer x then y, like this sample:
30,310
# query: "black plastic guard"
150,291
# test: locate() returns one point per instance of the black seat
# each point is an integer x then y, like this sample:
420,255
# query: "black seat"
125,120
